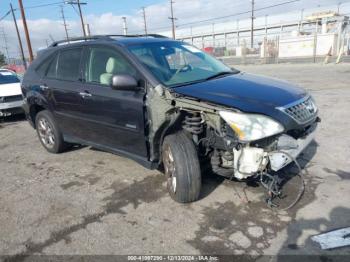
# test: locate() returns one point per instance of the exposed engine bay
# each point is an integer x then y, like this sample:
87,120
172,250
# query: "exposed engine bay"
226,146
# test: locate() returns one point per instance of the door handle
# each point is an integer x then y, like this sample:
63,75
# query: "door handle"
85,94
44,87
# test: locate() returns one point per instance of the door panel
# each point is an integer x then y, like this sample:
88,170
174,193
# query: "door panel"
66,104
116,117
61,87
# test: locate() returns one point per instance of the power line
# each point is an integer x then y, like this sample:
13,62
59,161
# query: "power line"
176,26
237,14
5,15
29,7
75,10
42,5
80,13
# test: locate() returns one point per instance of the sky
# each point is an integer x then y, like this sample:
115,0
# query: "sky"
105,17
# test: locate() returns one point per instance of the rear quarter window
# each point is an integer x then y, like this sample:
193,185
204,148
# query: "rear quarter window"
52,70
43,67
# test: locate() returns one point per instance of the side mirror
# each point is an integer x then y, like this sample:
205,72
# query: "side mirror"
124,82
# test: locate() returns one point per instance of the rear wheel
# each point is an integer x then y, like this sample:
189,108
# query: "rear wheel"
48,132
181,166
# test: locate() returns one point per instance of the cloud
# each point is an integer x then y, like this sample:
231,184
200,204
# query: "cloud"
187,11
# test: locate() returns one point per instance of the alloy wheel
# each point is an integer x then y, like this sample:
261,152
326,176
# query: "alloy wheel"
46,133
169,166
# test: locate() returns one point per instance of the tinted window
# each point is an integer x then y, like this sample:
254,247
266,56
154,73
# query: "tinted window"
103,63
43,67
52,70
69,64
8,78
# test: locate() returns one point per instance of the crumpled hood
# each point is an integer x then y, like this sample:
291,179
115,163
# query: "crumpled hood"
12,89
244,91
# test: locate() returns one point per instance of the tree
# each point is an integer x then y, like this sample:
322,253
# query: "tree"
2,59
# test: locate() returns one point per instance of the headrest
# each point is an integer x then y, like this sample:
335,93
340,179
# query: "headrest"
112,65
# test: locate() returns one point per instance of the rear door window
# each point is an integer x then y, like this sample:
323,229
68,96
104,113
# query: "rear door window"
52,70
68,67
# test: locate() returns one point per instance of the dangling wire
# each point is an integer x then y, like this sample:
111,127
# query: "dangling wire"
300,174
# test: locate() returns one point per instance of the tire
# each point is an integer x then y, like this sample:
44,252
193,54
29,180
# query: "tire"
48,132
181,167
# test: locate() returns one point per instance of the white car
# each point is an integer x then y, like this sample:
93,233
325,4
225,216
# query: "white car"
11,99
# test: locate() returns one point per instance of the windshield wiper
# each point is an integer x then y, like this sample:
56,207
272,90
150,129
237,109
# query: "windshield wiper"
221,74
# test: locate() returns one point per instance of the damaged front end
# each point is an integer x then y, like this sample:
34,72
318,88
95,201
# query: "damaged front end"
235,144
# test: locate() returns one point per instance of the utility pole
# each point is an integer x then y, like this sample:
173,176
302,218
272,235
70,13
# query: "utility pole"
64,23
125,29
87,29
52,39
302,15
339,4
81,18
4,36
237,26
213,32
71,2
301,20
144,19
172,18
19,38
31,57
252,28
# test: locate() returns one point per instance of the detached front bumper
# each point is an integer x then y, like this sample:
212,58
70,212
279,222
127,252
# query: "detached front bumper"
11,108
291,147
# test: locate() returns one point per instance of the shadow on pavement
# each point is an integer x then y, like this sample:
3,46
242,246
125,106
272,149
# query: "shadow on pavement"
339,217
10,120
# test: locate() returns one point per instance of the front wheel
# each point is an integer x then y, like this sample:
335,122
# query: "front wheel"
182,168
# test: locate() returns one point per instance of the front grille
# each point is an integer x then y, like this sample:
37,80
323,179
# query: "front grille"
8,99
301,111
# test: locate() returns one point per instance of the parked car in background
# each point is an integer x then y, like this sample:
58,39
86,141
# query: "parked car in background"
11,99
165,103
18,69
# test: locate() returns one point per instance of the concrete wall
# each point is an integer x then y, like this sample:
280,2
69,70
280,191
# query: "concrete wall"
302,46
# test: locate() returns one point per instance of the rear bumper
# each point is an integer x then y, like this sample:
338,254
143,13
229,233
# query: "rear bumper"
11,108
292,148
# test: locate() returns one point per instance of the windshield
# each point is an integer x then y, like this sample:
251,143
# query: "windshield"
8,78
175,63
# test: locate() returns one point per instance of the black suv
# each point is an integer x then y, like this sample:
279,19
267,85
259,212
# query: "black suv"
166,104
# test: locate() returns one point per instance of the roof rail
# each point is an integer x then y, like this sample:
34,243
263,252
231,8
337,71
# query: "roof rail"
105,37
140,35
77,39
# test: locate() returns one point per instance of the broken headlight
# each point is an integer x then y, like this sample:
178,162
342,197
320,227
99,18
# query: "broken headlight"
251,127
